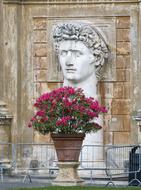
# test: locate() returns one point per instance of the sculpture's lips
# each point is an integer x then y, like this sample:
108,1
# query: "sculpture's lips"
70,70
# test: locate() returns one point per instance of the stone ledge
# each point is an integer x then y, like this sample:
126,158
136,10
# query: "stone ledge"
68,1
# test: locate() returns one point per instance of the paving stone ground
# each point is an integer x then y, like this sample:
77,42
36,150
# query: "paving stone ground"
12,183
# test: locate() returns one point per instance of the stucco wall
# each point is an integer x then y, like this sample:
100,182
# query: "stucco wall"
1,50
28,67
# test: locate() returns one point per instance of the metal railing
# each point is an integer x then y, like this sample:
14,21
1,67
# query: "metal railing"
115,161
6,158
33,158
107,160
118,162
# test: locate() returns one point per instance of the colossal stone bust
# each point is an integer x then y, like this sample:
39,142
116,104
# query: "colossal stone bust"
81,51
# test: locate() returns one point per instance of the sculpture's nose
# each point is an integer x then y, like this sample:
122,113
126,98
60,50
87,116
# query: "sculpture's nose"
70,59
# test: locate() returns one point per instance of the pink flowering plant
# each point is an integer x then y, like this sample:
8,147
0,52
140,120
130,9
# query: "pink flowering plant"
66,110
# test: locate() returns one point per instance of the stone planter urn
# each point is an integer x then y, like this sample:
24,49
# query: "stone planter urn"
68,147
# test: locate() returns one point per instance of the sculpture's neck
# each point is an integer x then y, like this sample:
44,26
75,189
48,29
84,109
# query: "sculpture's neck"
89,86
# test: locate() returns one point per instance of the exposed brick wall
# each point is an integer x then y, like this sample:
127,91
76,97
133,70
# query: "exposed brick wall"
118,119
41,66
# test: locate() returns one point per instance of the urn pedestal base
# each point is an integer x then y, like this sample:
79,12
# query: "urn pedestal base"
68,175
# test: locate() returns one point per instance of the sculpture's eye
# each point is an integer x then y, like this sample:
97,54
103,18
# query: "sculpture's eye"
78,53
64,52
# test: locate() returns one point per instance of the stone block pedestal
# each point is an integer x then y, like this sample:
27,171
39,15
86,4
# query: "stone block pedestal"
5,132
68,175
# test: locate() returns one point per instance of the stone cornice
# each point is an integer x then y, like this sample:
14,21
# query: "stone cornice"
68,1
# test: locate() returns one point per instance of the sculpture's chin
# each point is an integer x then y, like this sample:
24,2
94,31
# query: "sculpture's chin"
71,77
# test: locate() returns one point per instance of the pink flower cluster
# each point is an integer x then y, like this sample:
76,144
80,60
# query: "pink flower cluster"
63,121
66,110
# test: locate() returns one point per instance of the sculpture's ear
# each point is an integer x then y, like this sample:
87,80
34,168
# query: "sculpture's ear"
92,59
99,59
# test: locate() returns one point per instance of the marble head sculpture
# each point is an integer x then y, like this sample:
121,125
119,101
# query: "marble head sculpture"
81,50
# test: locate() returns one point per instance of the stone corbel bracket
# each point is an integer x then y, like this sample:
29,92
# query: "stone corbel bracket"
5,116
